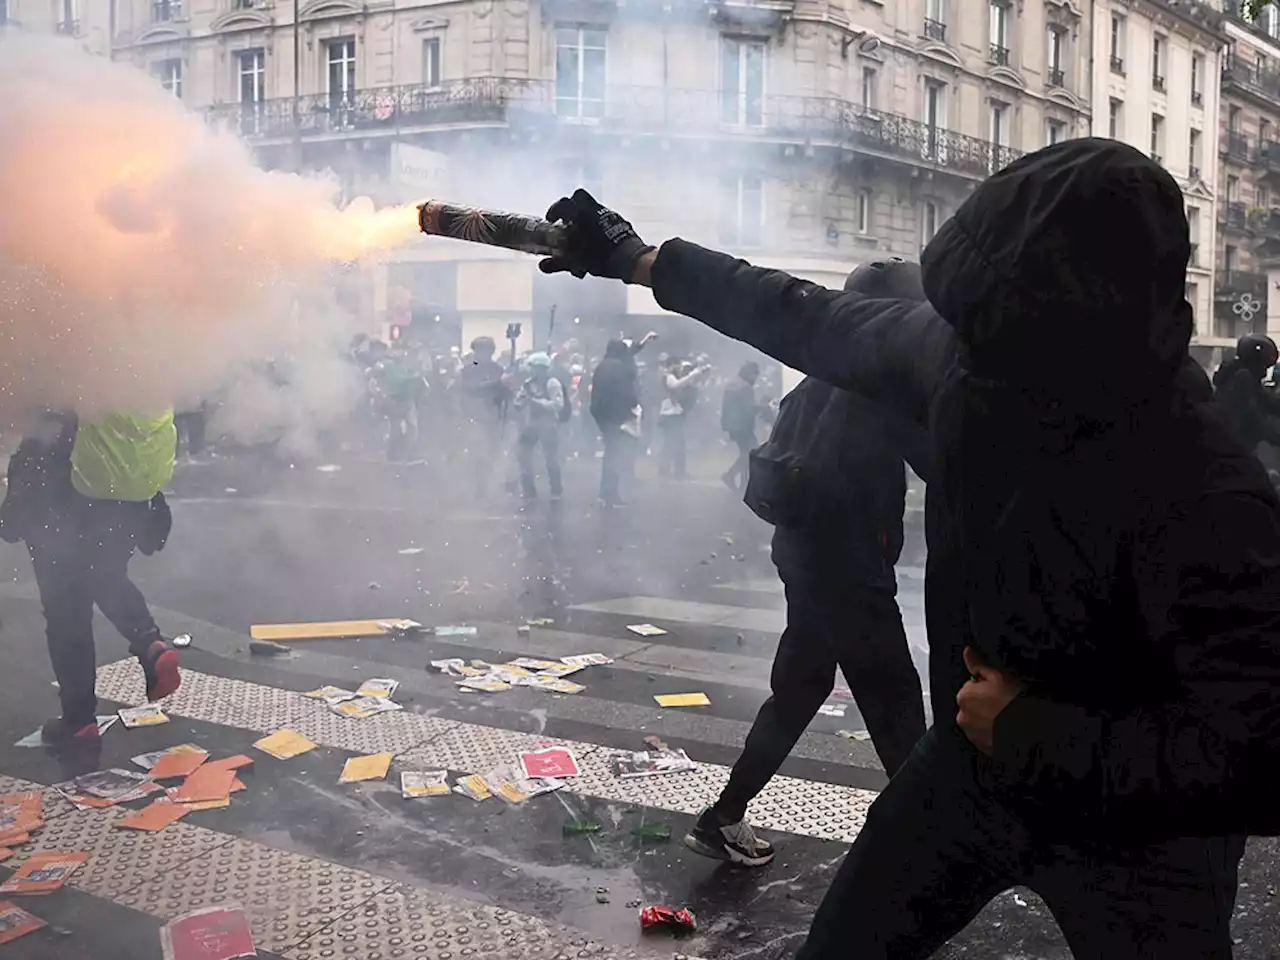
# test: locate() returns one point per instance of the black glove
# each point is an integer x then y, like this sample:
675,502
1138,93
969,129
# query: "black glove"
598,241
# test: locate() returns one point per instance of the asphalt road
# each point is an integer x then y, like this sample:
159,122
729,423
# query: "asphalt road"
354,870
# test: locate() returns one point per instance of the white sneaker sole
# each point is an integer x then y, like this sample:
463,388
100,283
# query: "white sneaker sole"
725,853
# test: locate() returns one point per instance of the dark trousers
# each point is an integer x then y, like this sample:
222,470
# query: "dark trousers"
938,844
673,452
859,630
546,435
736,475
81,559
618,462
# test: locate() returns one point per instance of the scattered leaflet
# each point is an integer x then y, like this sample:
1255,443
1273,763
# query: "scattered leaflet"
511,786
485,684
365,706
587,660
378,687
284,744
646,630
429,783
148,760
147,715
549,762
683,700
530,663
554,685
154,817
105,788
214,933
652,763
15,922
473,786
43,873
371,767
832,709
330,695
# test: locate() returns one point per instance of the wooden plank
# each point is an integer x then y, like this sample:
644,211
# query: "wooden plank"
334,630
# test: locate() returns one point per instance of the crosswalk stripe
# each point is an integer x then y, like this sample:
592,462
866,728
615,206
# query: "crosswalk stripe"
788,804
691,611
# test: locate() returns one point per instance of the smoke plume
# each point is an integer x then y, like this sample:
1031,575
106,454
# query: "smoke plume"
145,260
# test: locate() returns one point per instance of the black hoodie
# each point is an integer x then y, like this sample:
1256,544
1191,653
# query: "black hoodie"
1102,537
614,393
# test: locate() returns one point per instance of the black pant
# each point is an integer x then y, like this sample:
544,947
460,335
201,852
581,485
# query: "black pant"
547,435
81,558
736,475
617,463
861,631
672,454
938,845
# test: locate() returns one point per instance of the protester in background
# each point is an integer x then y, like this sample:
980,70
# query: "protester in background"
680,384
191,425
615,403
831,480
1252,411
83,495
483,399
1103,578
738,415
539,403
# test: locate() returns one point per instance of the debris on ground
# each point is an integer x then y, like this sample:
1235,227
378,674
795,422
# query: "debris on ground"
331,695
361,708
268,648
473,786
580,826
401,629
105,788
682,700
182,640
374,766
602,894
547,675
43,873
328,468
587,660
632,904
411,551
154,817
540,622
484,684
854,734
378,687
646,630
549,762
212,933
652,763
147,715
656,743
374,585
329,629
180,761
841,691
16,922
428,783
510,785
652,833
658,916
532,663
205,785
832,709
455,631
285,744
20,816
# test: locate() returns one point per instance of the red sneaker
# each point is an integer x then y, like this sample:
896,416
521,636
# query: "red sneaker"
160,666
57,731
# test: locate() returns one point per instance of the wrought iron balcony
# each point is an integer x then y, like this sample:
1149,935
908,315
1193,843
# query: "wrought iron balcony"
1234,215
490,101
1265,223
998,56
1269,156
1248,78
1233,283
935,30
1236,145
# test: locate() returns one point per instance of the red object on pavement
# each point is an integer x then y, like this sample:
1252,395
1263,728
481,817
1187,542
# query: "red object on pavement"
656,916
217,933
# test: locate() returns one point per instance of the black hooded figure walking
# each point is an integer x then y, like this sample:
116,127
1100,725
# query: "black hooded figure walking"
615,395
1103,582
831,480
1253,412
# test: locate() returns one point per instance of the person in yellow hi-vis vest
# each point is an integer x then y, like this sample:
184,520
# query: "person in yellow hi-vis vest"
84,494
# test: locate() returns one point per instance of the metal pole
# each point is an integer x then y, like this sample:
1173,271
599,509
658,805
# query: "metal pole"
297,82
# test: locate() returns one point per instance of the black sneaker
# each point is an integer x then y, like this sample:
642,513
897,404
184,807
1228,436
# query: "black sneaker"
59,733
735,842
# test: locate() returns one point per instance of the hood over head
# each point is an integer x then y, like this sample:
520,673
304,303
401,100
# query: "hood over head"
616,350
1066,272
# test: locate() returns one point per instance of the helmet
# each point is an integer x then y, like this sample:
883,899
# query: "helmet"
892,279
1256,351
538,359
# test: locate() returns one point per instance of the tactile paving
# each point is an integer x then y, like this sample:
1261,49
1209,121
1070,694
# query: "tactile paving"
394,732
471,748
408,924
813,809
119,860
51,806
122,681
235,703
286,897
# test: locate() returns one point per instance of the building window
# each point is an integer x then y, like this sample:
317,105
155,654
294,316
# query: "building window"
1233,188
1270,21
1262,197
252,75
999,29
580,72
1157,62
742,223
1233,119
431,61
1264,132
742,82
935,20
169,73
162,11
1193,154
935,118
342,71
869,88
1157,138
1230,259
1115,119
866,200
1057,57
1055,131
1193,233
930,219
1197,78
1117,43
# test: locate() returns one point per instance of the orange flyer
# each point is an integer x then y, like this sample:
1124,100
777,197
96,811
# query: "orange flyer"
15,922
43,873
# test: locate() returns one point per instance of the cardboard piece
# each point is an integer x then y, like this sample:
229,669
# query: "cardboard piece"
154,817
683,700
329,630
204,785
371,767
15,922
180,763
43,873
214,933
285,744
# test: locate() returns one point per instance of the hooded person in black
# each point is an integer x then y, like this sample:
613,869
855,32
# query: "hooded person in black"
615,394
831,480
1103,579
1247,405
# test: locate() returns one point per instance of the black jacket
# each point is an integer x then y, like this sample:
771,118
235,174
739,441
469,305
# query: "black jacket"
1104,538
614,393
1246,404
738,409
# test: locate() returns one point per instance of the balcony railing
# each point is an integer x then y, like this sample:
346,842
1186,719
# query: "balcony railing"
998,56
1057,77
1265,223
1233,283
1117,65
488,101
935,30
1236,146
1269,156
1234,215
1247,76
